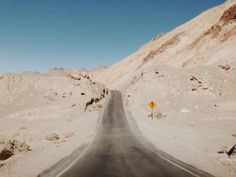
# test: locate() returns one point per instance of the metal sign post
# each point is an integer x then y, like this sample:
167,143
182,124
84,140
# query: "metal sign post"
152,105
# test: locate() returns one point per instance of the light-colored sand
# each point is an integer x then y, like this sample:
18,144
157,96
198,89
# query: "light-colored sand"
46,112
194,124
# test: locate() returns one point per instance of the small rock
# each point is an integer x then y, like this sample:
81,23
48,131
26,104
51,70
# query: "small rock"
98,99
221,152
157,115
204,88
90,102
52,137
5,154
193,78
231,150
224,67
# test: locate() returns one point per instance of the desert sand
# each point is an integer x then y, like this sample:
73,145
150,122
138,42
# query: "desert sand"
43,118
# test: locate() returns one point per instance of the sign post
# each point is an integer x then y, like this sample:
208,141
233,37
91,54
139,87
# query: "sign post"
152,105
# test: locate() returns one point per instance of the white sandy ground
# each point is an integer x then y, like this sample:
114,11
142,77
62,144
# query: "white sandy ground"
34,106
195,124
44,154
197,97
195,142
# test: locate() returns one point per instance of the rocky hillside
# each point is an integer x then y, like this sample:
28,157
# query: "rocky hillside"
208,39
191,73
45,117
31,91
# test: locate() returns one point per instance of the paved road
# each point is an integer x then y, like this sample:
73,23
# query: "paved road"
118,152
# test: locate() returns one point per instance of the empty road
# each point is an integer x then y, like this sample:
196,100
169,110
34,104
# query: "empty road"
118,152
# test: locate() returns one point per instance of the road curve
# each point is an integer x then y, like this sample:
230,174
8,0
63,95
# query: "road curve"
117,152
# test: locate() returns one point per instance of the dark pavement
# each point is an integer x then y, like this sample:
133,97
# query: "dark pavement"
118,152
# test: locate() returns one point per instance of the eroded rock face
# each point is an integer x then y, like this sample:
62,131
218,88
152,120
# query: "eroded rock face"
97,99
16,146
5,154
173,41
229,15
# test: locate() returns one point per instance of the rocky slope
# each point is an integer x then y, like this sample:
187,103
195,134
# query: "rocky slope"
45,117
191,73
208,39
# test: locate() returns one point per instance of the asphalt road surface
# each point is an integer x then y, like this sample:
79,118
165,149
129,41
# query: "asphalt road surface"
118,152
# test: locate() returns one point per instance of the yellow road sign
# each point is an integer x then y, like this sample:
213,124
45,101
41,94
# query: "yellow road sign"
152,104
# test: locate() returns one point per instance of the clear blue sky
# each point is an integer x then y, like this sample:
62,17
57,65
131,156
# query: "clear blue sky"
37,35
